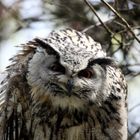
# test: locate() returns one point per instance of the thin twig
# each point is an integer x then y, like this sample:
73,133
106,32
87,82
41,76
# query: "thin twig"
125,30
122,19
88,28
111,33
94,11
97,25
133,135
135,106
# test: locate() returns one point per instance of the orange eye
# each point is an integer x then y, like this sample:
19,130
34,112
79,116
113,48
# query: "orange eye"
57,68
87,73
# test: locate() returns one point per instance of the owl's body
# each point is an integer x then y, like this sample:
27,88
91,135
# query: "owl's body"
63,87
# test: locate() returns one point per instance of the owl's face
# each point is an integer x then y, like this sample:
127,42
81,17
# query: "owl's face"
69,68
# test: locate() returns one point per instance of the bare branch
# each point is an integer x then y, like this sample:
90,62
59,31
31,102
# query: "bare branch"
94,11
133,135
131,109
121,18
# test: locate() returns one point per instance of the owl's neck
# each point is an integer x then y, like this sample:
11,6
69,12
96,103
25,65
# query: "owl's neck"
78,124
57,119
60,117
63,111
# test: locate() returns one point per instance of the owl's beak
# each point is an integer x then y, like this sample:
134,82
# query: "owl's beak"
69,86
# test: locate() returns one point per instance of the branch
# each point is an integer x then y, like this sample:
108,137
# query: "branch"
94,11
121,18
131,109
102,23
88,28
133,135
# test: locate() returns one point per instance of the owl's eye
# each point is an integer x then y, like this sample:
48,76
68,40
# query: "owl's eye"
57,68
87,73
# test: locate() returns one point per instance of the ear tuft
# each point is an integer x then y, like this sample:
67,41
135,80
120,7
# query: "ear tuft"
46,46
103,61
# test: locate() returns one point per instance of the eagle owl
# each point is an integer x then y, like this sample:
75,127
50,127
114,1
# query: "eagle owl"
63,87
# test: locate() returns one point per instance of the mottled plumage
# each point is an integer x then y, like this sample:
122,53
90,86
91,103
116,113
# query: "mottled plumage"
63,87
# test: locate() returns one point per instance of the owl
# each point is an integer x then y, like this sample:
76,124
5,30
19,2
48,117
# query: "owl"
63,87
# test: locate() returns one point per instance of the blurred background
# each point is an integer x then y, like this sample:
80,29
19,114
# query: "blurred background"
113,23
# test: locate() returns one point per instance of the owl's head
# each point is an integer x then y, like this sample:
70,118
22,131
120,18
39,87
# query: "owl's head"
69,68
